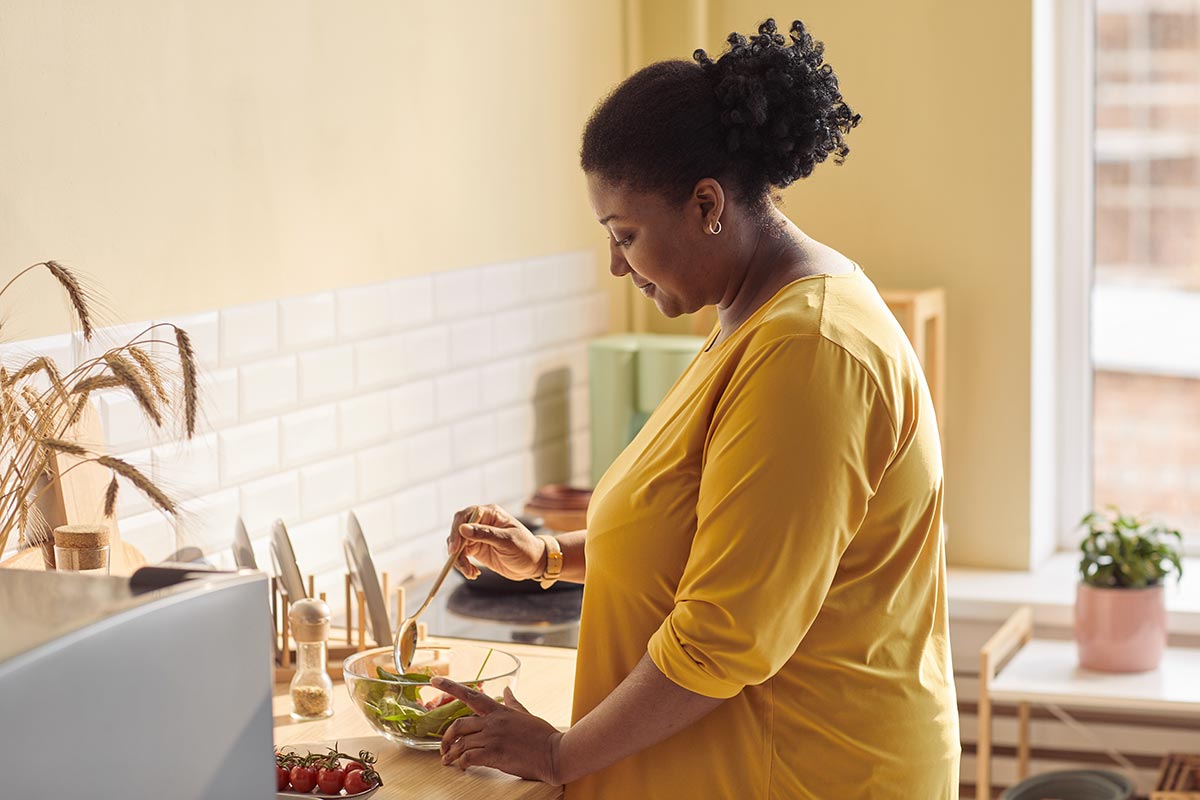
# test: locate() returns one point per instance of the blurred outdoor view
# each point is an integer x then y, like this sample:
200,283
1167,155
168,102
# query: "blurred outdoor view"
1146,298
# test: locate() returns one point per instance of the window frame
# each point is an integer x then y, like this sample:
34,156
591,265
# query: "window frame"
1064,203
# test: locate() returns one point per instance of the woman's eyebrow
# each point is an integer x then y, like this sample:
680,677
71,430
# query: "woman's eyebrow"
606,220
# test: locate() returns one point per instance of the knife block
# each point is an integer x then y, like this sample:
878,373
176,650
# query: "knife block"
355,630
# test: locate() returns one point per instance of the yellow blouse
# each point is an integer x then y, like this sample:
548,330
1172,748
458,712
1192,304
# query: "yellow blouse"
773,536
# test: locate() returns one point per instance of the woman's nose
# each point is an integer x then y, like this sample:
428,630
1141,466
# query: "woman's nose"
617,264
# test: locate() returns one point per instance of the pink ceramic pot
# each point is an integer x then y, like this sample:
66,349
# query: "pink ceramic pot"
1120,630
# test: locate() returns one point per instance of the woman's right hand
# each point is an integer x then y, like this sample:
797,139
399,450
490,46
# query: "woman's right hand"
498,541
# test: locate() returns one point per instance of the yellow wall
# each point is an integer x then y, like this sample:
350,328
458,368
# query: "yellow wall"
192,155
195,155
935,192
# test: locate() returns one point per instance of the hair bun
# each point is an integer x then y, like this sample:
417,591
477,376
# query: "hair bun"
780,108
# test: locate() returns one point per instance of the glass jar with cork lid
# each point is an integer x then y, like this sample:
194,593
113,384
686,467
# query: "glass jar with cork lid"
82,548
311,688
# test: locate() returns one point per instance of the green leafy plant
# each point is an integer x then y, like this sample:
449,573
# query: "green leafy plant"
1121,552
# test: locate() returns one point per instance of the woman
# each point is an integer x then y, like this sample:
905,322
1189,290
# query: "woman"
764,610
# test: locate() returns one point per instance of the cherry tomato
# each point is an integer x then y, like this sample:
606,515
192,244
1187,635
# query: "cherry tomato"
354,765
281,778
330,780
304,778
355,782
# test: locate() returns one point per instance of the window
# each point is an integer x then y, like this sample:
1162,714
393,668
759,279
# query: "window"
1145,296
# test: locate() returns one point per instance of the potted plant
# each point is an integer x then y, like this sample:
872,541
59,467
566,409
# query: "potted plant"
1120,611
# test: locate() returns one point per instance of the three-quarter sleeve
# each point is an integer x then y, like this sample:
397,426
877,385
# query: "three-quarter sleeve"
797,446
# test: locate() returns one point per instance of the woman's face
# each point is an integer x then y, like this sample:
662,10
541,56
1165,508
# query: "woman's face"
660,245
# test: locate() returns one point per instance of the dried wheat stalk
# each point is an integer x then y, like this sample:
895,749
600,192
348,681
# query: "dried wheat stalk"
36,425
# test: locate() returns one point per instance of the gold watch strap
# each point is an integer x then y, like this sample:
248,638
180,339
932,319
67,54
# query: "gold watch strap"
554,561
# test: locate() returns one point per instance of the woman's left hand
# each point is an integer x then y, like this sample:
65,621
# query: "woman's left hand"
503,735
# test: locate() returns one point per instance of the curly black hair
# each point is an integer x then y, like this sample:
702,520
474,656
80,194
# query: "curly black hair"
758,118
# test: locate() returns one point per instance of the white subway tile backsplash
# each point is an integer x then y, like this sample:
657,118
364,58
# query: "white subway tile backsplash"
413,407
318,548
60,349
268,499
474,440
426,351
151,533
308,435
506,382
458,490
553,322
597,313
470,341
327,373
364,311
457,294
514,429
514,332
249,451
458,395
125,426
380,470
581,465
187,468
547,277
583,272
378,522
508,478
204,333
307,321
327,486
111,337
502,285
428,454
249,332
364,420
130,500
207,522
405,400
580,409
219,398
267,387
416,511
412,301
378,362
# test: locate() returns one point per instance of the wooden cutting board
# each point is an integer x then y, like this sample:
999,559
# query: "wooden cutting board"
419,774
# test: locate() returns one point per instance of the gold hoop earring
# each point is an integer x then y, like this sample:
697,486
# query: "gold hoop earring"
714,230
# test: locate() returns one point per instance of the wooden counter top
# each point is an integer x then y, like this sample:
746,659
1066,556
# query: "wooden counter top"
544,686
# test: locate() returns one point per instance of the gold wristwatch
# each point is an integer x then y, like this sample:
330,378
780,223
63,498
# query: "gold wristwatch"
554,561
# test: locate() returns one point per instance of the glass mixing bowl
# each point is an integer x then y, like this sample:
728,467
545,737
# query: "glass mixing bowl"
405,708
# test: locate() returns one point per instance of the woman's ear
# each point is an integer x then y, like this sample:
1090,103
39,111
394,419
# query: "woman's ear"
708,198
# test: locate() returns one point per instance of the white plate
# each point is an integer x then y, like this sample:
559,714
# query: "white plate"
243,552
292,795
285,563
366,579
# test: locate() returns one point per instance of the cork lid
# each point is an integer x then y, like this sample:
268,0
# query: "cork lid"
310,620
80,537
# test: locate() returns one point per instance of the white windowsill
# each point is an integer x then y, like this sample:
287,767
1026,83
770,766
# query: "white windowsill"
984,594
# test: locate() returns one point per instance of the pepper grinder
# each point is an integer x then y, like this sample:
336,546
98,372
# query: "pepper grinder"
311,688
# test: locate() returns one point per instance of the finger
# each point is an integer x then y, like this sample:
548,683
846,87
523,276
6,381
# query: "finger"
474,757
511,701
462,744
454,541
463,726
478,702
